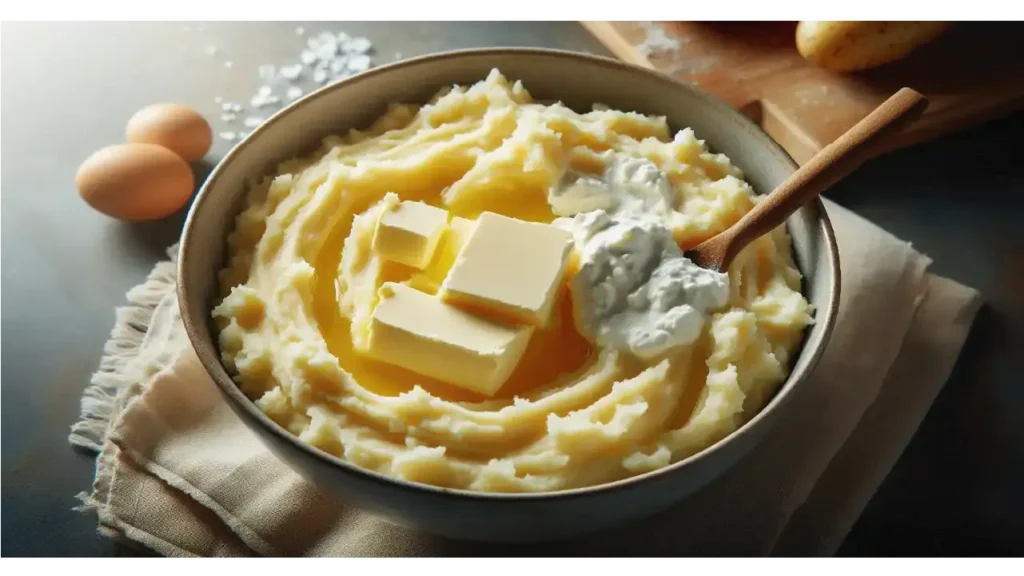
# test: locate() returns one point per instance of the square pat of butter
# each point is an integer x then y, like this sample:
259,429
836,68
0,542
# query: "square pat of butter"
409,233
509,270
421,333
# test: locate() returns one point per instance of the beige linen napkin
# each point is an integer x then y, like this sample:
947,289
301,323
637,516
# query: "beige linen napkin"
180,474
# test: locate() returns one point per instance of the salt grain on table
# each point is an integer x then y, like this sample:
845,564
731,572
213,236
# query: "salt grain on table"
291,72
264,100
358,45
359,63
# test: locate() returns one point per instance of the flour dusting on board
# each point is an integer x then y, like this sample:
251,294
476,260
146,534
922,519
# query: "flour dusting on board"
656,41
814,95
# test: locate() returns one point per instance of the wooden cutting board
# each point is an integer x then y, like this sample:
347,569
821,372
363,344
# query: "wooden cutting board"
972,74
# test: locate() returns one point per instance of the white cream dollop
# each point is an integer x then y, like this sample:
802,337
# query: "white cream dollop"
635,290
628,185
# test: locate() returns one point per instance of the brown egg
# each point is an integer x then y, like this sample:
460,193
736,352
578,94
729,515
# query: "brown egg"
178,128
135,181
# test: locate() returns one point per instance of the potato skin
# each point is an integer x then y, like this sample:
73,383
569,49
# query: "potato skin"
850,46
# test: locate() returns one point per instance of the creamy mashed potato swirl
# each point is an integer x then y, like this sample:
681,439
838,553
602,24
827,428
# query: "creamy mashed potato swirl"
302,280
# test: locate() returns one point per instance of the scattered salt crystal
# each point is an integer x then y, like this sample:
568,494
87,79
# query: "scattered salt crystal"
291,72
212,50
243,135
338,64
327,50
325,57
217,99
398,55
262,101
359,63
358,45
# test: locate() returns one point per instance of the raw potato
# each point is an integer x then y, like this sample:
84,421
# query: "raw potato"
849,46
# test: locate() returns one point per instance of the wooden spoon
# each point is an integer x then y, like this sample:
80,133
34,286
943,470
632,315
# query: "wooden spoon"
830,165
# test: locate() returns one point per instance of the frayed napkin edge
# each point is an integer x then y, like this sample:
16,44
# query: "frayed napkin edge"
116,380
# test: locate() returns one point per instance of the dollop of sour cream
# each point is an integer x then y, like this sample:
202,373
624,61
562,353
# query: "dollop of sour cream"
628,185
635,291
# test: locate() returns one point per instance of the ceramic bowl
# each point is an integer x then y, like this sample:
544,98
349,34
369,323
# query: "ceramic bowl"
578,80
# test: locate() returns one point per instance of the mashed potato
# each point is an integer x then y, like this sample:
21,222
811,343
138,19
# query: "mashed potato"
302,280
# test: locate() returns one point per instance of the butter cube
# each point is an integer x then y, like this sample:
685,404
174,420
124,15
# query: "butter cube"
455,239
459,232
509,270
421,333
409,234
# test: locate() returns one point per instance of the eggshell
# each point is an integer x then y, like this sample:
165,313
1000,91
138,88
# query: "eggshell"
173,126
135,181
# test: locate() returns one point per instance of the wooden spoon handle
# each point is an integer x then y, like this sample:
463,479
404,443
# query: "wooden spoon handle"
830,165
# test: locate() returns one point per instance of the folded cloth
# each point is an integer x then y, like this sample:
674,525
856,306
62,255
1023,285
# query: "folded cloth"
179,473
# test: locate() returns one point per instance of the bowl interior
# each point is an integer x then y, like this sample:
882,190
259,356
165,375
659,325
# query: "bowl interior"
576,80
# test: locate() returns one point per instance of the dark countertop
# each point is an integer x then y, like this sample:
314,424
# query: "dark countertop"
71,87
